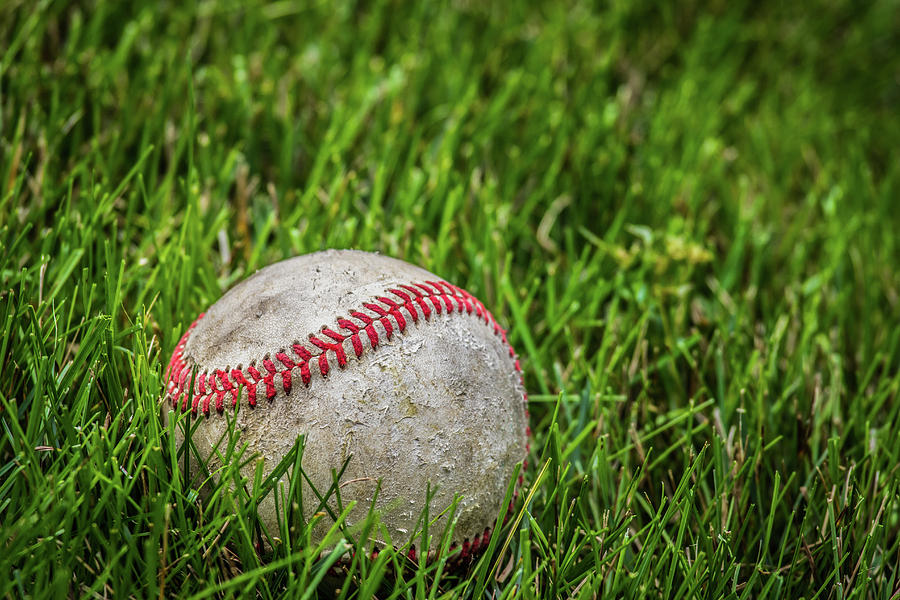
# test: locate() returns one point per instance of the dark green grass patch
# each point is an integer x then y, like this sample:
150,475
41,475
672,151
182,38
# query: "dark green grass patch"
686,215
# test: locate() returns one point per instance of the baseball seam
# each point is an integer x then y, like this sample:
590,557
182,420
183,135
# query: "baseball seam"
324,349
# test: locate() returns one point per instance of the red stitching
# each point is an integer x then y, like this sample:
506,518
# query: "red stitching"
354,337
302,352
333,335
394,312
420,299
437,296
357,345
229,388
183,379
408,304
238,376
384,320
222,376
337,347
376,309
388,328
348,324
269,378
284,359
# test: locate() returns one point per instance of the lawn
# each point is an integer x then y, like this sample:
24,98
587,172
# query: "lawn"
686,215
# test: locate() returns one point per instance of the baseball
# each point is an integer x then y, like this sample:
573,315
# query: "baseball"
372,360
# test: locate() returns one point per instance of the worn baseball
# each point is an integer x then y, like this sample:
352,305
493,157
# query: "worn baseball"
371,359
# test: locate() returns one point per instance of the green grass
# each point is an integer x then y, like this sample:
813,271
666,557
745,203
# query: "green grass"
686,215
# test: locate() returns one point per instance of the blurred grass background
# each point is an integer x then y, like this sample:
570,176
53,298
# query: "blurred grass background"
686,214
